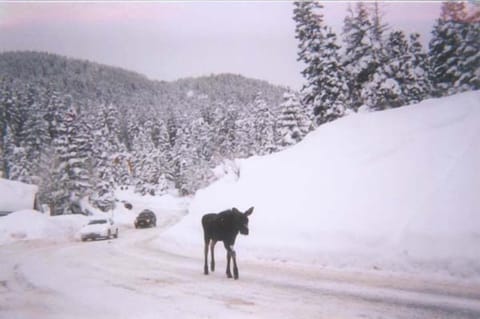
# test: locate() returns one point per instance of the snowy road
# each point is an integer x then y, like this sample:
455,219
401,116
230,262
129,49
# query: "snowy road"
132,278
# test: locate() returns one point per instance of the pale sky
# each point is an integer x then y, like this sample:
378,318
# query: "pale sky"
171,40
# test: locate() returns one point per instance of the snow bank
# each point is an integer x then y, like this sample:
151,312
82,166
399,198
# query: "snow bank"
33,225
393,190
16,195
30,224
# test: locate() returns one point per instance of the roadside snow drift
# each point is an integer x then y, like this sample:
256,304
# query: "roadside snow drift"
396,190
16,195
30,224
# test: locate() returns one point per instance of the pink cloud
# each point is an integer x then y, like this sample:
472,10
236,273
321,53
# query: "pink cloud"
26,14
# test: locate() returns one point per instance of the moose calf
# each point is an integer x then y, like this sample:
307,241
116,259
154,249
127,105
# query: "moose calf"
225,227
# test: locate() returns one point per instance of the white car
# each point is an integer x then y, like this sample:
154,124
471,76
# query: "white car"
99,228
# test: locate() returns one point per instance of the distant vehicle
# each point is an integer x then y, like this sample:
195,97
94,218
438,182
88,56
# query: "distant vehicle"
99,228
146,218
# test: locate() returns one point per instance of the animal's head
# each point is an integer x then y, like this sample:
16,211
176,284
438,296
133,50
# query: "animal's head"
241,220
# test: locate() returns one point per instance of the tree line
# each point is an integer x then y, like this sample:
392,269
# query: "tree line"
78,129
380,68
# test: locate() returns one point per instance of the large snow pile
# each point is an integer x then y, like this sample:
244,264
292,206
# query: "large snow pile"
30,224
396,190
16,195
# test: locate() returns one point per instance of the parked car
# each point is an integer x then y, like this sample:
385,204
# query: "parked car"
146,218
99,228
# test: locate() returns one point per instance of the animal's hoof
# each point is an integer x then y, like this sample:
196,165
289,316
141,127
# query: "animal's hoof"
229,275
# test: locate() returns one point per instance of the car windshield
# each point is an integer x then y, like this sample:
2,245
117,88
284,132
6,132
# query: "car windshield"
98,221
146,214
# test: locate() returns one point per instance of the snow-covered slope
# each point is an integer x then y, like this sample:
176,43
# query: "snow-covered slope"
396,190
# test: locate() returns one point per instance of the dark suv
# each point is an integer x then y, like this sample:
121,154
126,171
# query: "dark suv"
146,219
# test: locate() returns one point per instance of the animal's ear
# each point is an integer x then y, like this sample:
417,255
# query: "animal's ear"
249,211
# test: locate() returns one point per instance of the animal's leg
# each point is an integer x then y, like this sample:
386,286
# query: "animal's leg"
229,274
234,257
212,253
205,266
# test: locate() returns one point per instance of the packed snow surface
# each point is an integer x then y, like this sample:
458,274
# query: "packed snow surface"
396,190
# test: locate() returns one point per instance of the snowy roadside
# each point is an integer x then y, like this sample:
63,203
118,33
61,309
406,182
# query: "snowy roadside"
390,192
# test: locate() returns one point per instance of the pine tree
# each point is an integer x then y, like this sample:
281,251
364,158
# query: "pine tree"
103,183
80,153
448,34
421,87
293,123
330,103
263,127
325,89
58,193
16,167
469,52
71,175
392,79
36,138
310,32
359,59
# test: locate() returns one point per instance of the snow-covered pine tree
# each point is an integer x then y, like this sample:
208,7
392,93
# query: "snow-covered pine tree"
378,30
147,164
36,140
330,102
310,32
4,91
16,166
12,113
448,34
57,192
293,124
102,195
393,78
226,132
116,128
71,176
421,87
325,90
263,127
359,59
184,160
53,107
2,163
80,150
469,51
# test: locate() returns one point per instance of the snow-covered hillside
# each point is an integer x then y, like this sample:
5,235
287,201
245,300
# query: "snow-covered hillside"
393,190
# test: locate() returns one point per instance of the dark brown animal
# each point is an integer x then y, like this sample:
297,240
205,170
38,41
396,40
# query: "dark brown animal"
225,227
